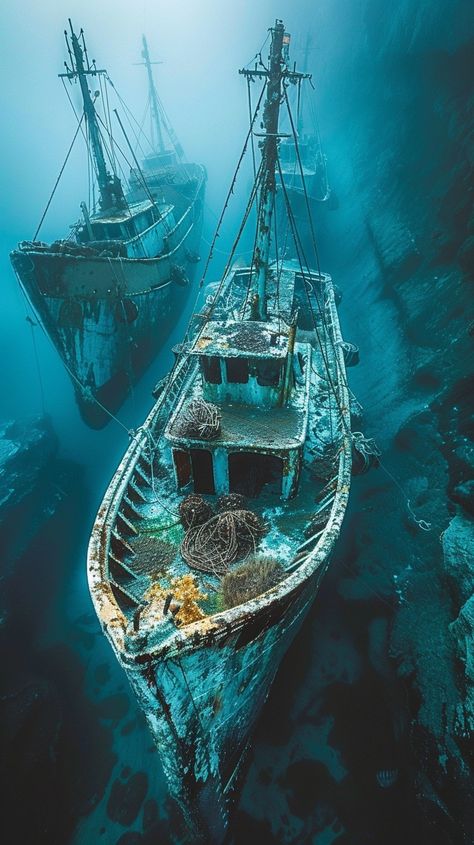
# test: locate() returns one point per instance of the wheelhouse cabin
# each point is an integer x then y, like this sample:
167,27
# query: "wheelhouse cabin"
258,378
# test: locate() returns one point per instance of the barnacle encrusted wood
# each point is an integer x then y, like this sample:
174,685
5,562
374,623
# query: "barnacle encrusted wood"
325,461
199,419
222,540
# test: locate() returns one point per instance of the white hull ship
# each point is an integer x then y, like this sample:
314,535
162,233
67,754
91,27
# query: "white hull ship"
110,293
219,524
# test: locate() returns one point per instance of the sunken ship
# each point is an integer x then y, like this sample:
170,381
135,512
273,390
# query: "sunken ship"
219,524
109,293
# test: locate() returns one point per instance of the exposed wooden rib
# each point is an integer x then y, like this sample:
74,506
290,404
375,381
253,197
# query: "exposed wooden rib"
125,526
118,540
129,509
141,476
122,565
123,594
134,492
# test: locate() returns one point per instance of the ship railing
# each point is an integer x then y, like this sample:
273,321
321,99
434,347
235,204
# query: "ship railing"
341,481
99,549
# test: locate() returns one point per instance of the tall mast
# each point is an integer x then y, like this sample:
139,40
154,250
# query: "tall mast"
276,74
300,115
155,108
111,193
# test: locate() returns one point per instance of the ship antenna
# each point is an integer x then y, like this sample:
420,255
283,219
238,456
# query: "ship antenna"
111,192
277,75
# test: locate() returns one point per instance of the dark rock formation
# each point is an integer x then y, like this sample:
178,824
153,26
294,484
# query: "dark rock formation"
56,756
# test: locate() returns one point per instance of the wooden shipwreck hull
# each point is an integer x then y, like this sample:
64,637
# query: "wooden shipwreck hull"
202,686
107,314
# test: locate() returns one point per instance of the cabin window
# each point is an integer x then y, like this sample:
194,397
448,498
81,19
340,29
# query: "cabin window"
268,372
138,223
250,472
211,369
182,463
99,232
203,473
114,231
237,370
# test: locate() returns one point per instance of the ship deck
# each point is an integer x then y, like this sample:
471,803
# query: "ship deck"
151,553
154,551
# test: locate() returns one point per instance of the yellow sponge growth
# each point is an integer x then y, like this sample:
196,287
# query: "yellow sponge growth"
185,591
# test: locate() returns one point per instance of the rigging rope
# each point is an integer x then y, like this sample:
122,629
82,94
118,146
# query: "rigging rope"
249,97
422,523
300,254
57,180
259,209
231,189
127,109
300,164
32,325
172,374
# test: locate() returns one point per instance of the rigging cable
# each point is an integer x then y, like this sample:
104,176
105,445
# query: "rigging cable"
308,209
231,189
57,180
33,325
127,109
300,256
300,164
259,212
109,120
173,374
249,97
422,524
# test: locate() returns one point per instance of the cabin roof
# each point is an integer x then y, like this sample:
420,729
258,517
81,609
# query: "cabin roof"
241,426
292,169
254,428
242,339
124,214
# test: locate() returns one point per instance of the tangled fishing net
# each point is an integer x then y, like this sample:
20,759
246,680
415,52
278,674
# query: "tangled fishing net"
194,510
199,419
231,502
223,539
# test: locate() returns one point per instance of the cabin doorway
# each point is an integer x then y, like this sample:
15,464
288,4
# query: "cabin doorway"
182,463
203,473
250,472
